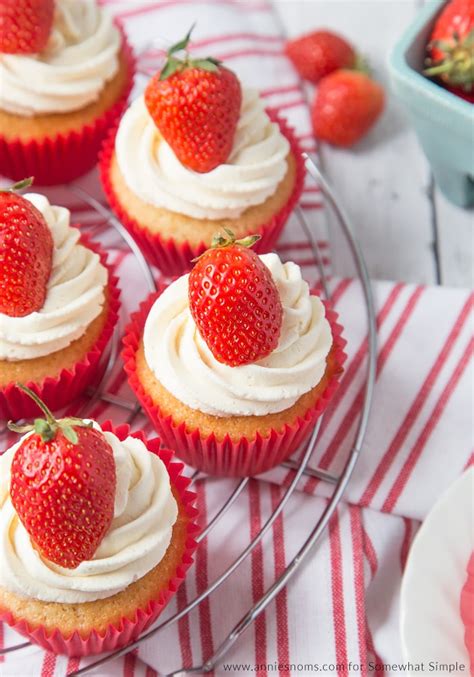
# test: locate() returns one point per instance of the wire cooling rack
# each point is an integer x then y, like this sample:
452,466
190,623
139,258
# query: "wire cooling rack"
132,410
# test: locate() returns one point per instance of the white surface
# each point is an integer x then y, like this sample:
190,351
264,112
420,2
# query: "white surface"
430,619
407,230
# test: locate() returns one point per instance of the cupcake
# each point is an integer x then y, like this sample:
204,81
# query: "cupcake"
198,152
234,362
108,543
61,90
58,305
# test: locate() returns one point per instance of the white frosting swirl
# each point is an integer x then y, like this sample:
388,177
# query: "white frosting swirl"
252,173
184,365
145,511
74,298
80,57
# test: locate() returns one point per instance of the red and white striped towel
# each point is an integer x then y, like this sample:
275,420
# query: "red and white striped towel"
343,605
341,610
419,436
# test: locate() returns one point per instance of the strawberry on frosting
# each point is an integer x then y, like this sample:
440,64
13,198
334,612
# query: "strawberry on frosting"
25,25
63,486
234,378
195,103
58,298
252,173
84,514
26,252
234,302
71,71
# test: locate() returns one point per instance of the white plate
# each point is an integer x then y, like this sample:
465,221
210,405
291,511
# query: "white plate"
432,631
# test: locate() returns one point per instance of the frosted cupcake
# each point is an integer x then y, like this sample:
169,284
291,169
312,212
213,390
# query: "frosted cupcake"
234,362
57,103
198,152
94,576
58,305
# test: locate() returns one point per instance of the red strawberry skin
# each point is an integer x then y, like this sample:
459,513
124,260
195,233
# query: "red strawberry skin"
196,112
457,16
319,53
64,493
26,251
235,304
467,96
25,25
346,105
451,48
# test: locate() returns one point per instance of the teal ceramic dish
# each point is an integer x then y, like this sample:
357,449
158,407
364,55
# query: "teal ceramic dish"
444,122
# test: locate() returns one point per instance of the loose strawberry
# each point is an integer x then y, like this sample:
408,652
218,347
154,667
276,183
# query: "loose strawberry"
25,25
317,54
234,302
346,105
26,252
451,46
195,103
63,486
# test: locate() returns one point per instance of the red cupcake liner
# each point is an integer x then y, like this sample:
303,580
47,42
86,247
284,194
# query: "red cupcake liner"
61,158
119,634
467,611
60,390
228,458
174,258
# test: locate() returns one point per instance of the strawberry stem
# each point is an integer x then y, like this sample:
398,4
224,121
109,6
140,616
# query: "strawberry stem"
457,65
182,44
19,185
44,408
361,65
437,70
174,65
219,241
48,427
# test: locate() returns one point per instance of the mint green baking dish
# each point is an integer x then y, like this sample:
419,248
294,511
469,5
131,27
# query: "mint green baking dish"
443,122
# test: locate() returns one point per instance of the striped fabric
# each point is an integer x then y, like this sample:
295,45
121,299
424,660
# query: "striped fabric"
341,609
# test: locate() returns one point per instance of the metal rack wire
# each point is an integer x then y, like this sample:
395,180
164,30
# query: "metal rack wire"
299,467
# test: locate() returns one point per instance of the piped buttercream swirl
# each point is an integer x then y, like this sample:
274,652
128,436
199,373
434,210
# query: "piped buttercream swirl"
252,173
80,58
74,298
137,540
182,362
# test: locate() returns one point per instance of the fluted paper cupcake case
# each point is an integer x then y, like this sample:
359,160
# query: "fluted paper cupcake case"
126,630
174,258
467,611
230,458
61,390
63,157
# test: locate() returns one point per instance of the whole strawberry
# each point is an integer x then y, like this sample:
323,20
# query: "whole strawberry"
26,252
346,105
63,486
451,47
234,302
25,25
195,103
319,53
